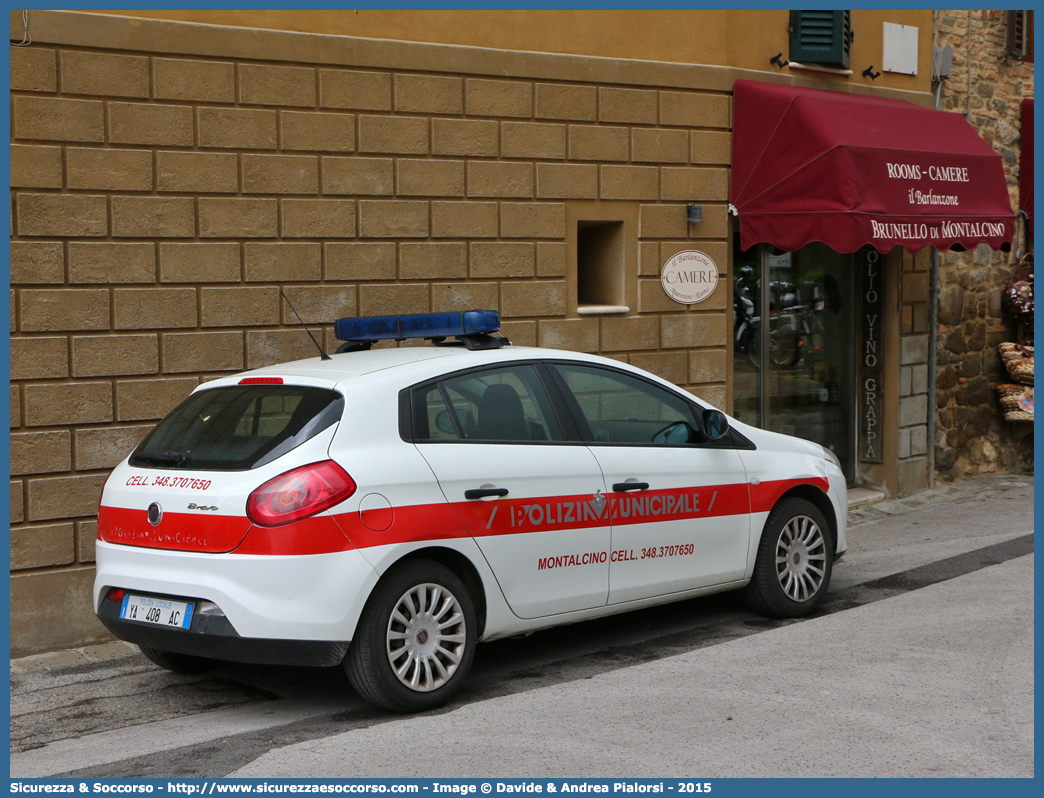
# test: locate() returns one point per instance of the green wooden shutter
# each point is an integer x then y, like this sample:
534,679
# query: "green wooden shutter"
821,37
1020,34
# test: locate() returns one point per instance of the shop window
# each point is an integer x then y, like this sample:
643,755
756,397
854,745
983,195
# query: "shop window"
1020,35
821,37
794,344
600,266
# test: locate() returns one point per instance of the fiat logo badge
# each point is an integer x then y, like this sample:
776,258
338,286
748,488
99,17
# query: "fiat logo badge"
155,514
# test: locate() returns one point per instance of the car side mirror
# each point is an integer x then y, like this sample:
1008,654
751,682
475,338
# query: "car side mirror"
715,424
444,423
677,433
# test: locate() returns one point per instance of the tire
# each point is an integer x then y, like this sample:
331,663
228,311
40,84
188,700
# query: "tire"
783,346
783,349
178,663
794,562
753,349
407,657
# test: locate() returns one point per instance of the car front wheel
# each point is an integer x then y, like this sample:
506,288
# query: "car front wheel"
415,640
794,562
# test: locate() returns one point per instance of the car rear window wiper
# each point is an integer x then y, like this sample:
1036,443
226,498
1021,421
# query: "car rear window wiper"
167,458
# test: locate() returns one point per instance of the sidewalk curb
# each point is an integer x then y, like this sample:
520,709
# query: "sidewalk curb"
67,658
980,488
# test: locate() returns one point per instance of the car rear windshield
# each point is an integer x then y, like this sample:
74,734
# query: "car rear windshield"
238,428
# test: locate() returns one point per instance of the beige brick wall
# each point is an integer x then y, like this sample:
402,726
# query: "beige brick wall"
161,201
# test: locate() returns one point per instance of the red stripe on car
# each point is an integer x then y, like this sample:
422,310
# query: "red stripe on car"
416,523
324,534
763,497
319,534
512,517
176,531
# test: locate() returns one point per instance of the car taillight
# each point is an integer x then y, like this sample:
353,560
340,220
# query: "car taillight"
299,493
116,594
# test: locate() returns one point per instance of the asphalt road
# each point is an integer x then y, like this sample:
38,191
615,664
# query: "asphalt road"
920,663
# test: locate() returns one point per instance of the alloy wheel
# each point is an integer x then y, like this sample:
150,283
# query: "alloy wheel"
426,637
801,558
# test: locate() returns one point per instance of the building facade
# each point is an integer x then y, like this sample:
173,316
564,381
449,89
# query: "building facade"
989,86
173,172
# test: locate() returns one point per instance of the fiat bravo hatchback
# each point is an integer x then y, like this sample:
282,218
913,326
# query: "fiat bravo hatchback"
387,509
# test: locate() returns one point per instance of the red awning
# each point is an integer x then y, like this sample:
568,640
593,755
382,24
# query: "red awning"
1026,167
850,170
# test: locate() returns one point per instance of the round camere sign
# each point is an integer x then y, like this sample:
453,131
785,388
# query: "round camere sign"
689,277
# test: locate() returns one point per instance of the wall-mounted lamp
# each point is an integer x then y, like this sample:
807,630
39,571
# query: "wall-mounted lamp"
942,62
869,73
777,59
695,213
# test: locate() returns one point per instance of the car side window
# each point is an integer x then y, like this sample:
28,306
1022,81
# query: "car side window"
623,409
491,405
441,425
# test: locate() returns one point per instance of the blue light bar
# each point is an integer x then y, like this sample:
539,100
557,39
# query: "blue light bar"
419,325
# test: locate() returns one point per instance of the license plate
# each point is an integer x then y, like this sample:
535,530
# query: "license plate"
159,611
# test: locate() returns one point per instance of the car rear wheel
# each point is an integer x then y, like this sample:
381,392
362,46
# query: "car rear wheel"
178,663
415,640
794,563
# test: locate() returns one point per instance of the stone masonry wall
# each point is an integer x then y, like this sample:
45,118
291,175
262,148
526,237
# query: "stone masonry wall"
160,202
915,322
972,435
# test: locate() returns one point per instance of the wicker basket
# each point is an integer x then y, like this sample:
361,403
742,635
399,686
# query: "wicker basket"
1018,360
1016,401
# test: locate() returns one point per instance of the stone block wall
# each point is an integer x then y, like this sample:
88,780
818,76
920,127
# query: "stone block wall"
161,201
987,86
914,402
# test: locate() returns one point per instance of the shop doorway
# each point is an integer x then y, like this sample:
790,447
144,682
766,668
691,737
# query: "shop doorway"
795,368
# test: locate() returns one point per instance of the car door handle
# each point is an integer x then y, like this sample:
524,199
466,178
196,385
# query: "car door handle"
481,493
622,487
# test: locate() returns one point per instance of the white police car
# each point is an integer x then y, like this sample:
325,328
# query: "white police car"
389,508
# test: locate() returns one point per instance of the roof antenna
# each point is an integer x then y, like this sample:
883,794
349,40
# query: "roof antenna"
322,354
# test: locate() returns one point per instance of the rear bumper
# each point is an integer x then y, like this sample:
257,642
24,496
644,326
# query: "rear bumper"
287,599
215,637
